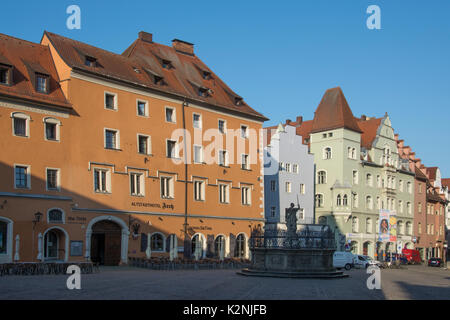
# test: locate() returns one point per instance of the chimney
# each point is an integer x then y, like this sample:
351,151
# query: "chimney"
299,120
288,121
363,117
145,36
183,46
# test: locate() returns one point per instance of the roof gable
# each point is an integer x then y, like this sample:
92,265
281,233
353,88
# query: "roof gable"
333,112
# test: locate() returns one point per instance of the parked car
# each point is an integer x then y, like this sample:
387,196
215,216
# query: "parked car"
373,262
343,259
435,262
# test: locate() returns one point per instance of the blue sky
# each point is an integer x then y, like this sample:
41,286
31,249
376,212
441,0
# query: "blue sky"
281,56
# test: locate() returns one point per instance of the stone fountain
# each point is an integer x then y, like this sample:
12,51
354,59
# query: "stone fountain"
303,251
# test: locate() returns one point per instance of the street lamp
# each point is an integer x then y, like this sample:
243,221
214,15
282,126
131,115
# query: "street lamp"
37,218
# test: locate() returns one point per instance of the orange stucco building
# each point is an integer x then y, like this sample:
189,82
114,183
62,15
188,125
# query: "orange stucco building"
107,156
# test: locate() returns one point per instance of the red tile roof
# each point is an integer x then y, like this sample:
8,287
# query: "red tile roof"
27,59
431,172
333,112
184,79
420,175
446,182
369,131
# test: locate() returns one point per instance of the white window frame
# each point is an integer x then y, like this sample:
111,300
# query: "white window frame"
140,180
225,158
116,98
149,143
176,156
58,179
244,133
325,180
357,177
325,153
246,196
200,120
107,180
63,216
23,116
28,167
117,146
302,188
295,168
288,187
163,242
226,189
174,115
57,128
199,189
170,187
196,147
245,165
146,112
224,126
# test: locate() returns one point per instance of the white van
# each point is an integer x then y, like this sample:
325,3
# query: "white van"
343,259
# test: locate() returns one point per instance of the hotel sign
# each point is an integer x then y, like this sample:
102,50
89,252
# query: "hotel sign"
153,205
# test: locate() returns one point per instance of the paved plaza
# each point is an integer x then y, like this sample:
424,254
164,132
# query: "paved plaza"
415,282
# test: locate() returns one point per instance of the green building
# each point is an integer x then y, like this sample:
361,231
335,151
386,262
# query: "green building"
358,173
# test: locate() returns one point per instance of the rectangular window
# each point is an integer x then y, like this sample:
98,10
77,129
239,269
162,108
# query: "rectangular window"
90,61
142,109
50,131
244,131
136,184
171,149
245,163
222,126
167,188
4,75
41,83
52,179
20,127
295,168
288,187
110,101
301,214
199,190
144,146
21,177
223,158
197,121
100,180
198,154
288,167
273,185
223,193
273,211
170,115
111,139
355,177
302,188
245,192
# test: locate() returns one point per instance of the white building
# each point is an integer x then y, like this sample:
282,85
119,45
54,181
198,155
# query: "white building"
288,177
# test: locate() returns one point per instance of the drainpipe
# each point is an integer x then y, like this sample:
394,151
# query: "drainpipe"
186,251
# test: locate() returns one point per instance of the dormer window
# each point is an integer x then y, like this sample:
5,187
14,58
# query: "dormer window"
158,80
238,101
203,92
5,74
42,83
166,64
206,75
90,61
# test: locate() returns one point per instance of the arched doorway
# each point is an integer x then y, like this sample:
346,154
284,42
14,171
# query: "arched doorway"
198,247
367,249
240,251
6,240
219,247
106,243
55,244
